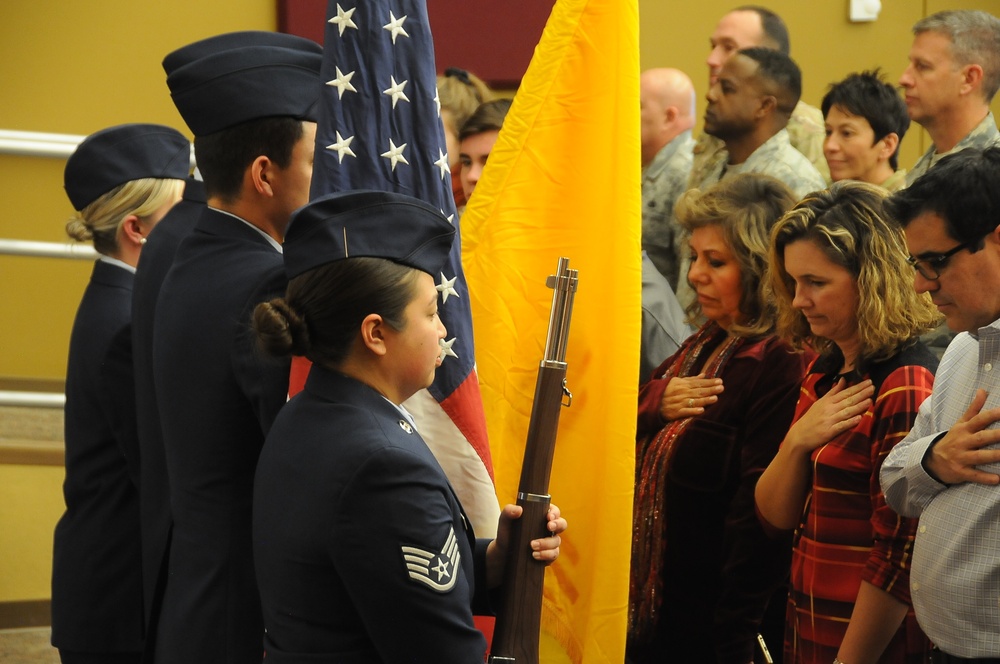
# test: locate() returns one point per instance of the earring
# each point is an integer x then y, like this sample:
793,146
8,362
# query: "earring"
142,240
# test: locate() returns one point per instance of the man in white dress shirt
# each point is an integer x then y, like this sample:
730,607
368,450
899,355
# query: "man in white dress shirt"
947,470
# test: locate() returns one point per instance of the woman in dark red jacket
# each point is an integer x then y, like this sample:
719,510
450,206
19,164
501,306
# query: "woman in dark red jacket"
710,421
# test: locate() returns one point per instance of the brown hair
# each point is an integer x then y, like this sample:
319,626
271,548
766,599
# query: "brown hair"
488,117
744,207
460,93
322,310
848,222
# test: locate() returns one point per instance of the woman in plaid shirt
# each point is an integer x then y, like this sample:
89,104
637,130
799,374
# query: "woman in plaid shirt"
843,287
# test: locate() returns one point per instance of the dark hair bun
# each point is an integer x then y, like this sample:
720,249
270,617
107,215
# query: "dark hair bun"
280,329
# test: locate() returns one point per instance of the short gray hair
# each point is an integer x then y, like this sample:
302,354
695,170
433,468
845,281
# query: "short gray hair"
975,39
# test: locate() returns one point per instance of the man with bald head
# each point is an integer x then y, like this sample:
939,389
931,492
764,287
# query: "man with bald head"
748,26
666,100
748,109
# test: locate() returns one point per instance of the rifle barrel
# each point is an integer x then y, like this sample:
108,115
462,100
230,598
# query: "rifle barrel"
516,635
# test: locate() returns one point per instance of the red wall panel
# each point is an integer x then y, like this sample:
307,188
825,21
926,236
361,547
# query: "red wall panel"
494,40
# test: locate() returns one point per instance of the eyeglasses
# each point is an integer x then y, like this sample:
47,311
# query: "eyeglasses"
930,265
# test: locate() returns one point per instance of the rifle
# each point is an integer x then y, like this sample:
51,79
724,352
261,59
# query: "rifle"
516,635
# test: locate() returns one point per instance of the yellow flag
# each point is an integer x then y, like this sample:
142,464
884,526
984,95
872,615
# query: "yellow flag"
564,180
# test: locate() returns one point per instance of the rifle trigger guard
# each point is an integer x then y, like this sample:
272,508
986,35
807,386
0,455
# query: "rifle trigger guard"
568,401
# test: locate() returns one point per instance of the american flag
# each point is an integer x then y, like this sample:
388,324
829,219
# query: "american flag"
380,128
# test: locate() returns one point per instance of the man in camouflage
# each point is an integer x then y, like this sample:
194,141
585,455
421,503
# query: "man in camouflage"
953,74
666,101
748,109
745,27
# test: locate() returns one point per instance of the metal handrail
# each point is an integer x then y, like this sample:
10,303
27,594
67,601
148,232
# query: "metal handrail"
47,249
32,399
38,144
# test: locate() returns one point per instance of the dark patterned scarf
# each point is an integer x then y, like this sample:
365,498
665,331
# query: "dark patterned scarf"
653,457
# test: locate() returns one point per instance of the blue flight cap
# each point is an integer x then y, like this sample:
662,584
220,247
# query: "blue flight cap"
122,153
228,41
227,88
376,224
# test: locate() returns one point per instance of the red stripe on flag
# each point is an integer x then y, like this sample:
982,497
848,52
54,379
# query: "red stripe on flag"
464,407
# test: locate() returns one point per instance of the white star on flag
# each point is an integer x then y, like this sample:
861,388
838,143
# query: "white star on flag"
392,38
342,83
442,163
437,101
446,350
395,154
395,26
343,19
396,91
447,287
342,146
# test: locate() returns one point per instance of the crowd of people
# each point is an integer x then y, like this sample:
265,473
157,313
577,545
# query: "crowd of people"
806,490
840,510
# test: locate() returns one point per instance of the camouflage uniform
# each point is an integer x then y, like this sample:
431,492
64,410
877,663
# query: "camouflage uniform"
806,131
663,181
777,158
896,181
983,136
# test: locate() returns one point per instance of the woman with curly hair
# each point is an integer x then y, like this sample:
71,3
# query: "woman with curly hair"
710,420
843,287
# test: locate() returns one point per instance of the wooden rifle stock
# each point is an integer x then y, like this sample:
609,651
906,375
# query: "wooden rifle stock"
516,635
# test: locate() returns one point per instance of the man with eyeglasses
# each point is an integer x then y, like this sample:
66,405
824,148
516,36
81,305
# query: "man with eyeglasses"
947,470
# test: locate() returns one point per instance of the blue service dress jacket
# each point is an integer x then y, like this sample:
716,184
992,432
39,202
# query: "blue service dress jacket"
217,395
154,494
96,566
362,549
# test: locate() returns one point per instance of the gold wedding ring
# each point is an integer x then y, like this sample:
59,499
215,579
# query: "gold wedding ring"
690,403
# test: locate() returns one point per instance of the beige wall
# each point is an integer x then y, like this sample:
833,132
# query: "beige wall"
31,503
75,66
825,44
70,66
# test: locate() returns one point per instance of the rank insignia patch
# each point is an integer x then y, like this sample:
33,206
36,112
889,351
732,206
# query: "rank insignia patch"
436,570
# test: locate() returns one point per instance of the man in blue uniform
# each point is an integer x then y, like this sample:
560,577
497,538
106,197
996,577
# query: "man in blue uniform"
252,110
157,257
